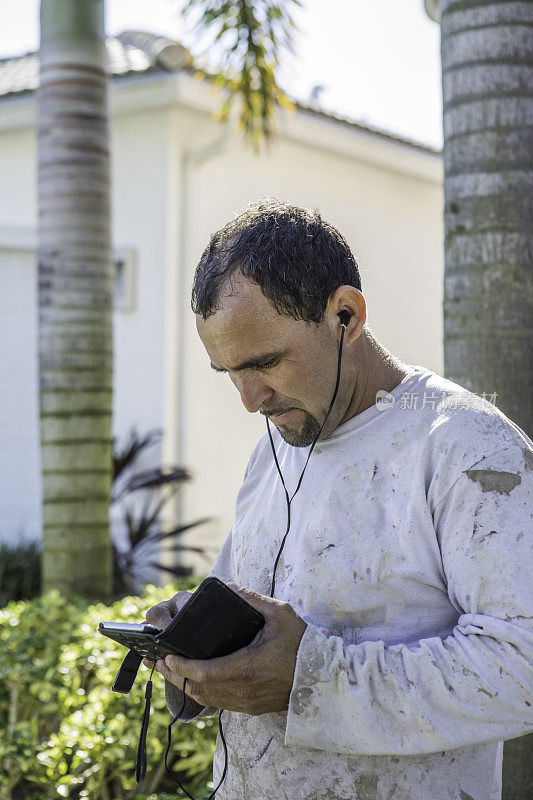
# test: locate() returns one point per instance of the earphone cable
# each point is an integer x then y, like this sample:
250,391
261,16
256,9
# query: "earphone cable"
289,500
169,741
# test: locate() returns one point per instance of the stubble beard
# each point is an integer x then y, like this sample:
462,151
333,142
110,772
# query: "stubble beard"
302,437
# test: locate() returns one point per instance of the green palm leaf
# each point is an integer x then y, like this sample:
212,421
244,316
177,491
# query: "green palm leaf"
251,35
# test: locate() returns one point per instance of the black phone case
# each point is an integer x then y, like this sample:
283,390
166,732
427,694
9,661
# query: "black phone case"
214,622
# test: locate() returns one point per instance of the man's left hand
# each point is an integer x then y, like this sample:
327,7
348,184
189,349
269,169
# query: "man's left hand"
254,680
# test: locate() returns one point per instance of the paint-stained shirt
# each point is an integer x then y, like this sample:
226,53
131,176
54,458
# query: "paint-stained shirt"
410,558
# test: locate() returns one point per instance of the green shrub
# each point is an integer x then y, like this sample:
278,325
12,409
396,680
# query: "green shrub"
63,732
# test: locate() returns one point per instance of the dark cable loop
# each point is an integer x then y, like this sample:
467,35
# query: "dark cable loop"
169,740
224,745
289,501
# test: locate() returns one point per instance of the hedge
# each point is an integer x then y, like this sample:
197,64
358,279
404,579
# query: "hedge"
63,732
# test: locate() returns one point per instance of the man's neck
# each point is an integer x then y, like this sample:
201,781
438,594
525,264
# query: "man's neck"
376,369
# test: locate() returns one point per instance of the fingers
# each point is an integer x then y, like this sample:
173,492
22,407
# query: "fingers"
179,600
234,667
159,615
162,614
200,671
163,670
173,677
272,610
258,601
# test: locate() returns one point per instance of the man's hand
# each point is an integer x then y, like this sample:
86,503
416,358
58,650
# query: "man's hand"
163,613
254,680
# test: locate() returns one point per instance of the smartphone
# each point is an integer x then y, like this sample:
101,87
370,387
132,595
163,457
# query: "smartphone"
137,637
214,622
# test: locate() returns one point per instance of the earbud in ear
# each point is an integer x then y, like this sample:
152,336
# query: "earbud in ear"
344,318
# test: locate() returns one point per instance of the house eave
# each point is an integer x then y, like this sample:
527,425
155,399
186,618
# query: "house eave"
310,126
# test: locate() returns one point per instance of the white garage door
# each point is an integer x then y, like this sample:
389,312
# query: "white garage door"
20,479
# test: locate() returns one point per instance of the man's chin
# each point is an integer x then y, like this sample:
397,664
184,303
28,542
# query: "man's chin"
303,436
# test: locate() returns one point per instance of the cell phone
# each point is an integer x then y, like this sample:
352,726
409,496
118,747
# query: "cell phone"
137,637
214,622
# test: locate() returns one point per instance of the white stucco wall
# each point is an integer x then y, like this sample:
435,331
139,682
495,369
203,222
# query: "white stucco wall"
20,494
20,478
18,165
139,174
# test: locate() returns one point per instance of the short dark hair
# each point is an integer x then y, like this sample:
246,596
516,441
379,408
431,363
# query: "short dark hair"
294,256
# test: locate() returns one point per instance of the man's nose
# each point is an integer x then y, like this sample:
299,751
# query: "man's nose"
253,391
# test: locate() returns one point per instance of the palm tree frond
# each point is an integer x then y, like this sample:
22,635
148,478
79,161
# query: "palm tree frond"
251,35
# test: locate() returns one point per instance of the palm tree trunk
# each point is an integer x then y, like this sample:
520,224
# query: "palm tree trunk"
487,52
75,298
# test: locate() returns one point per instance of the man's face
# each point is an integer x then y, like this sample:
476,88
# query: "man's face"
282,367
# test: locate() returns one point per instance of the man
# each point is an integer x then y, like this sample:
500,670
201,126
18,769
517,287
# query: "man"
398,651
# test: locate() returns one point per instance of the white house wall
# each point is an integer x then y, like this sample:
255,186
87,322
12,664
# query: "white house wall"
18,199
20,514
139,177
20,477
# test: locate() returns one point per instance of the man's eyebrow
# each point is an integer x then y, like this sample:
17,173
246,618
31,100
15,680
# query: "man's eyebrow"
256,361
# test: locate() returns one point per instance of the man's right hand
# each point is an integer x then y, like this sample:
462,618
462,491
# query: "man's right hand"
163,613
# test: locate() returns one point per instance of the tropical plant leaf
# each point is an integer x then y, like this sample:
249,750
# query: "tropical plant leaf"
180,548
158,477
129,452
144,527
153,478
179,571
158,537
251,36
139,527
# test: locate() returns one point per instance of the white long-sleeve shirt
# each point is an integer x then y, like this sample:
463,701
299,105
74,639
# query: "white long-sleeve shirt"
410,559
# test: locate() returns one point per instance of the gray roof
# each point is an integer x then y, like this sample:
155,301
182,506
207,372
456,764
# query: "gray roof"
129,52
20,74
134,52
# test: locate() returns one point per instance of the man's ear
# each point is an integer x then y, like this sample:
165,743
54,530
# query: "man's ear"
347,306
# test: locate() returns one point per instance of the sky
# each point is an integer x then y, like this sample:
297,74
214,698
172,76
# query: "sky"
379,61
